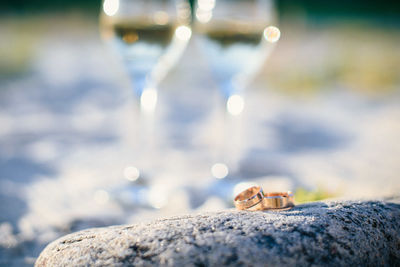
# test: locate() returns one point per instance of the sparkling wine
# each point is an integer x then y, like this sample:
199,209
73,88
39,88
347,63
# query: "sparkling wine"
141,43
231,49
229,37
132,33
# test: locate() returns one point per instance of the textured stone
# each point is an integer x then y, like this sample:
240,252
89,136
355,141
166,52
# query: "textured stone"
319,234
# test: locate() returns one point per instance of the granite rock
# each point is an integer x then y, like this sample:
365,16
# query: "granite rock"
335,233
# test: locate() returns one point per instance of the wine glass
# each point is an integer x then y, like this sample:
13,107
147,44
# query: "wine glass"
149,36
236,36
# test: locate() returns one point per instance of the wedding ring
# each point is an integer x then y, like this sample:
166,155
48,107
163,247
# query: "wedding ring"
278,200
250,199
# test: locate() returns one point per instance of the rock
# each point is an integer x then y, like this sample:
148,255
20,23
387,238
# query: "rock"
321,233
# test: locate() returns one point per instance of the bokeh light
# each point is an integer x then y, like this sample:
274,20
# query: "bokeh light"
235,105
111,7
204,10
219,170
131,173
148,99
157,196
183,33
272,34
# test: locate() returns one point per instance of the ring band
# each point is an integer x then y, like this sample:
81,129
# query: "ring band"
250,199
278,200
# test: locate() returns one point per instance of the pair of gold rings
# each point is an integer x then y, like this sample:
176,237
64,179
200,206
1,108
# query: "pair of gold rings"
254,198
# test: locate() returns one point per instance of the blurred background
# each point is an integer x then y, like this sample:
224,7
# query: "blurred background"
322,118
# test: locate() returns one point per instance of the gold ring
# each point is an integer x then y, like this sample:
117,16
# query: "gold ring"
250,199
278,200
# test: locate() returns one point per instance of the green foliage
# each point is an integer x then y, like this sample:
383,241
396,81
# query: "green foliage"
18,48
310,8
302,195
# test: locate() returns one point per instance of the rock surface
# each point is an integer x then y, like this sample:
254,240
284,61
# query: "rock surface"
319,234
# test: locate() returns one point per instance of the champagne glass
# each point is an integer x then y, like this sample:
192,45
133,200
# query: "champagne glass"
149,36
236,37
